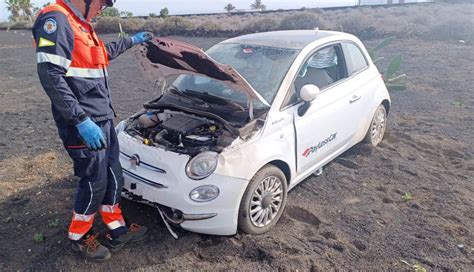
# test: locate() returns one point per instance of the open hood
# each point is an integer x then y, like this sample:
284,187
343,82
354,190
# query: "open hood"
163,57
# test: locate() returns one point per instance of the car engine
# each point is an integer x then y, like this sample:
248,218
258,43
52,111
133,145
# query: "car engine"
178,131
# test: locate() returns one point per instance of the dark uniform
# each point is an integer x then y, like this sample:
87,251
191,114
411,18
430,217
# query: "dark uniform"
72,67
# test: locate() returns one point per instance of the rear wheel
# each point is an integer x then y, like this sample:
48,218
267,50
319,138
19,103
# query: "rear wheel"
264,201
377,127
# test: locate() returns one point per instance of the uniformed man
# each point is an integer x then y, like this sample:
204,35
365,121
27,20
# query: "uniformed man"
72,67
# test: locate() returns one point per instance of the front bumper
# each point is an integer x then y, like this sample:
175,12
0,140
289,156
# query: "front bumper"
160,179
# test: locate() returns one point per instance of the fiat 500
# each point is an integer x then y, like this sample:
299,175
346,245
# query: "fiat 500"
233,129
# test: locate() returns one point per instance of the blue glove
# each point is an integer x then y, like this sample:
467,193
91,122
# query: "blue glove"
141,37
92,135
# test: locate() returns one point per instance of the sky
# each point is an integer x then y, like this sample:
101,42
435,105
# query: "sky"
145,7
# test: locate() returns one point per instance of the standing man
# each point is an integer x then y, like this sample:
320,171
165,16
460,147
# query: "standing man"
72,67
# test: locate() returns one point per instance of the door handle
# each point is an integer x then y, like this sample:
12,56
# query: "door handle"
355,98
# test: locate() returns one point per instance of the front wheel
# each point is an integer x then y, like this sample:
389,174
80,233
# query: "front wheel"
264,201
377,127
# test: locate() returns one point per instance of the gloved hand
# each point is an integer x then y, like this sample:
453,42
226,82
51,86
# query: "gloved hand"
141,37
92,135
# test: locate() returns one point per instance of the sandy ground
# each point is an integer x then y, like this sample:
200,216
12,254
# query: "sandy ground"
353,217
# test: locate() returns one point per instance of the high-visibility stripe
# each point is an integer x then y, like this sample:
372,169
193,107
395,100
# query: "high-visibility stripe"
116,224
83,217
90,201
86,72
75,236
54,59
109,208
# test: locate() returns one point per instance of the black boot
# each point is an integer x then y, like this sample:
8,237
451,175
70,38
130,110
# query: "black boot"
135,233
90,248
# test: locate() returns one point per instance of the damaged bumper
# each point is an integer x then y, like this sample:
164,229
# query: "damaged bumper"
170,188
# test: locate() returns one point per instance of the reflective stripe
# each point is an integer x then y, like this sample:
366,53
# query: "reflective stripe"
54,59
86,72
75,236
108,208
90,201
116,224
116,186
83,217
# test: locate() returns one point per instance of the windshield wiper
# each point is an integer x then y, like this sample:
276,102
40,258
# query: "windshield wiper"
213,99
200,101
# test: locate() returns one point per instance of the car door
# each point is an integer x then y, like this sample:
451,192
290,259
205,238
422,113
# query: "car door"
363,81
328,125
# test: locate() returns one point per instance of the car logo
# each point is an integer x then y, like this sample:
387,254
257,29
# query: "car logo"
135,160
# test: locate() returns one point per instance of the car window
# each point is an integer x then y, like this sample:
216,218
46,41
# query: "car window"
354,57
323,68
262,66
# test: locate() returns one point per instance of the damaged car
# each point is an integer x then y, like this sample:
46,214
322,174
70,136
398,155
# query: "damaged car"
233,129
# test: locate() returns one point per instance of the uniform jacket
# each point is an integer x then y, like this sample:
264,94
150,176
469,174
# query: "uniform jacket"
72,64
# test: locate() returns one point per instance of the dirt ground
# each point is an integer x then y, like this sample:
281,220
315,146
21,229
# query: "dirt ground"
353,217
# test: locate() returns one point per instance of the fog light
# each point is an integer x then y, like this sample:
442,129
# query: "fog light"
204,193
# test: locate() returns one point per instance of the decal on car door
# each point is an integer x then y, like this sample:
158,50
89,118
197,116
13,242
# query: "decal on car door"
313,149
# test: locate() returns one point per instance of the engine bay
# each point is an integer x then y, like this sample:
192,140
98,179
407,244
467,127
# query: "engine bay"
179,132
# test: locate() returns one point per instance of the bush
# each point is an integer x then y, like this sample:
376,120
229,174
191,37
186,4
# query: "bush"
209,27
108,25
303,20
261,25
154,25
176,26
111,25
4,25
21,25
132,25
455,29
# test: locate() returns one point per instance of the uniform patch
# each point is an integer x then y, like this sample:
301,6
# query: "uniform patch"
44,42
50,26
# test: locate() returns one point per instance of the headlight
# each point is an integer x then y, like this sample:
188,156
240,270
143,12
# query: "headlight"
204,193
120,127
202,165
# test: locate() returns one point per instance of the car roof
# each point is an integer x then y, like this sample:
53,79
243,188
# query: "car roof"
293,39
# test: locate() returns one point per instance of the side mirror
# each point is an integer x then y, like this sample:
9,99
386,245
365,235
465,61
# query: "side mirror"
308,93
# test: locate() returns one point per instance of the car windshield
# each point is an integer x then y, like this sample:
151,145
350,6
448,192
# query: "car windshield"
263,67
207,89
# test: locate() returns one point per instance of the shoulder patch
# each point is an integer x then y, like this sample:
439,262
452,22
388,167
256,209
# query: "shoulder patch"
50,26
44,42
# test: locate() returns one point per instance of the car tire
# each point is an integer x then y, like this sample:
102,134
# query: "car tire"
268,191
377,127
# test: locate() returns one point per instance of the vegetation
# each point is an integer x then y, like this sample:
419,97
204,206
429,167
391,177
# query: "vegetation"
257,5
110,12
164,13
425,21
229,7
393,81
407,196
20,10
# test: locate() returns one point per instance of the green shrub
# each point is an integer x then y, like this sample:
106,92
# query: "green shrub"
452,29
4,25
111,25
108,25
110,12
131,25
209,27
176,26
153,24
21,25
261,25
303,20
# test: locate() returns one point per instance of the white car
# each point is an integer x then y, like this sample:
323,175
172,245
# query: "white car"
222,145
